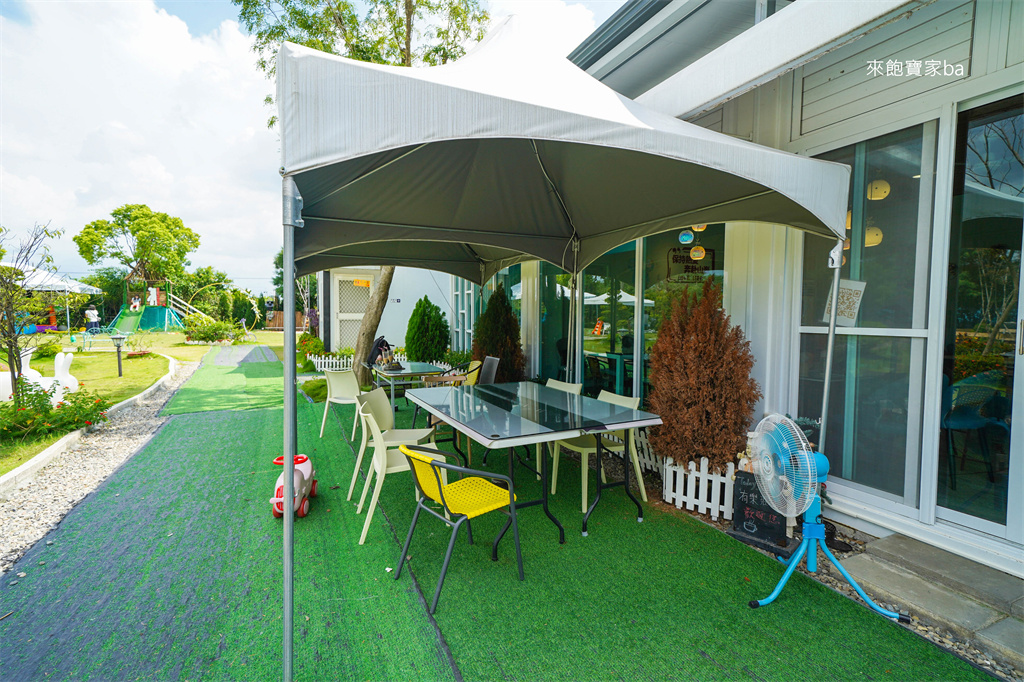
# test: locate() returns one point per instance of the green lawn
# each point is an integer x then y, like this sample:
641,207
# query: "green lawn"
97,373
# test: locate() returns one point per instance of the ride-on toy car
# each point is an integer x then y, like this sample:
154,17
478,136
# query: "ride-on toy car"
304,487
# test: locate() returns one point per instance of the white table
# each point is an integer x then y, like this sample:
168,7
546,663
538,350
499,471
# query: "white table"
526,413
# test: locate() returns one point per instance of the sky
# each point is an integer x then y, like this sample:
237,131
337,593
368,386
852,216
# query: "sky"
106,103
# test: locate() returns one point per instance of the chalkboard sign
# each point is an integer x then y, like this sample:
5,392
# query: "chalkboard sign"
752,515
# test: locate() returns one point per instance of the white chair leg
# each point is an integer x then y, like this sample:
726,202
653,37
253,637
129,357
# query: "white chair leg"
585,469
355,423
373,506
554,466
636,467
366,487
359,463
327,408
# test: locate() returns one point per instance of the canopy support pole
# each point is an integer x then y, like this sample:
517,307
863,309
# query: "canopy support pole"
292,210
835,261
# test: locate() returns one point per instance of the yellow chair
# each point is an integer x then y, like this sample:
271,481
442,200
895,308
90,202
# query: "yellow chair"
342,389
473,372
377,405
386,460
465,499
588,444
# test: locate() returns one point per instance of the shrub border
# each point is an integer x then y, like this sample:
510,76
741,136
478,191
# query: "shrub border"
17,478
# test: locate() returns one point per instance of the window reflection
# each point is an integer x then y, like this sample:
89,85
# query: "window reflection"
609,301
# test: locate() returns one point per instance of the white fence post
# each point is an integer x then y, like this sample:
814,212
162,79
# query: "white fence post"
700,489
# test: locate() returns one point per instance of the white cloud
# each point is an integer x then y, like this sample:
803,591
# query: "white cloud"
104,104
557,25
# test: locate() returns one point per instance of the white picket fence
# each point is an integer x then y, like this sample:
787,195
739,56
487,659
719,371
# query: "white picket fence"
322,362
707,492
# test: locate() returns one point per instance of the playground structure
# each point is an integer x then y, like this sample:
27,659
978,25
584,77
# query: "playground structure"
150,306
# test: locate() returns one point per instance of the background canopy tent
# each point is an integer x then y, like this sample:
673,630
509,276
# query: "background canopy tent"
506,155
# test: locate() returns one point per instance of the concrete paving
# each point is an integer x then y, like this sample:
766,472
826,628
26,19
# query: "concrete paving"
977,603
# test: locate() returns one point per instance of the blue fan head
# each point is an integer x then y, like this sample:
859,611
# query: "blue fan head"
821,464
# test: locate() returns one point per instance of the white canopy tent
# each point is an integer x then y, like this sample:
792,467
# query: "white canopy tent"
506,155
41,280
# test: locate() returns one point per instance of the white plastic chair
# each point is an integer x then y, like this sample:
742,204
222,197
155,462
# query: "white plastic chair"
62,371
386,460
376,405
26,371
588,444
566,387
342,389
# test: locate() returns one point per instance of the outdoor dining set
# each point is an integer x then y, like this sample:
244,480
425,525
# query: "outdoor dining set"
465,403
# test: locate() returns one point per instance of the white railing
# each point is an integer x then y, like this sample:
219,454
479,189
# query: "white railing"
323,362
708,493
184,308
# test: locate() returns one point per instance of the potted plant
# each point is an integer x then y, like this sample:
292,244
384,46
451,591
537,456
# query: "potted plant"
701,386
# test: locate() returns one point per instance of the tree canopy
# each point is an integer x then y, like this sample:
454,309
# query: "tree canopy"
156,245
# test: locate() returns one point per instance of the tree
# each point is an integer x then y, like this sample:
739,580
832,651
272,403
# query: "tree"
155,245
224,307
111,281
496,333
202,288
306,290
701,383
389,34
427,334
20,307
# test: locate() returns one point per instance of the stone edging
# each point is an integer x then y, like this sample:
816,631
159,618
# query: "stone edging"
17,478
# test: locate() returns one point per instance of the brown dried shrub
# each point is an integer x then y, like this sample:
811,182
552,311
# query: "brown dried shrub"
700,382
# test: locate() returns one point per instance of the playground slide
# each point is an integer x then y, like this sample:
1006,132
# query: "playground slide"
152,317
128,320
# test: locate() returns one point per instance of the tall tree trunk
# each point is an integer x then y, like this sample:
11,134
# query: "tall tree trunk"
371,319
993,333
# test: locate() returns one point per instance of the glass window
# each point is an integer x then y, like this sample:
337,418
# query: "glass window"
554,321
868,406
876,391
609,301
511,278
883,223
676,262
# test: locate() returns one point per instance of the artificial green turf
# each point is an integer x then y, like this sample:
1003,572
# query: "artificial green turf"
213,387
665,599
172,569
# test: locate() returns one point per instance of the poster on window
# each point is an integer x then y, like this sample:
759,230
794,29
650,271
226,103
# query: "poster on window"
851,292
683,269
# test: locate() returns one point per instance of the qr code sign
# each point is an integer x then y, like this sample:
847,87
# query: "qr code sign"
851,293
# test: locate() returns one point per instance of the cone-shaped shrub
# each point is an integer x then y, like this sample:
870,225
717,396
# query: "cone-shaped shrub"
426,336
700,382
497,333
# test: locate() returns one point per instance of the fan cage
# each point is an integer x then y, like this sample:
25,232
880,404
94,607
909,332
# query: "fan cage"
784,465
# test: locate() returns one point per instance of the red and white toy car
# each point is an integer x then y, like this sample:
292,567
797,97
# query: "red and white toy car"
304,487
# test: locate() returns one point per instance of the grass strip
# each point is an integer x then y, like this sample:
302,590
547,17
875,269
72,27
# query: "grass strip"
172,569
245,386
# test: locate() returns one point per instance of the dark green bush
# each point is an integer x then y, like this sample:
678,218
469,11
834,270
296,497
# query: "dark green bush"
199,328
497,333
426,336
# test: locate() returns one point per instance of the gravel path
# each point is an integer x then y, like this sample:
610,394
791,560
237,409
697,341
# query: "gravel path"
36,509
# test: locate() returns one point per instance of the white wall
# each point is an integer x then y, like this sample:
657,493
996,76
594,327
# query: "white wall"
409,286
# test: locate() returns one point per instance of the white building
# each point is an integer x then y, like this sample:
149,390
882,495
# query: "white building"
924,101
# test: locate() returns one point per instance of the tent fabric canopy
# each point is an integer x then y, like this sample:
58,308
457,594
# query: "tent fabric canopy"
41,280
511,154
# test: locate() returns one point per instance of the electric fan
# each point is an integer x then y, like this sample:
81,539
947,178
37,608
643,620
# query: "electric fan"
788,472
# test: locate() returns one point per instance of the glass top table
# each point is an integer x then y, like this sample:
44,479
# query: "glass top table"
525,413
410,370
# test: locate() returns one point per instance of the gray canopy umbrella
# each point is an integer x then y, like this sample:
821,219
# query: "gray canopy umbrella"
503,156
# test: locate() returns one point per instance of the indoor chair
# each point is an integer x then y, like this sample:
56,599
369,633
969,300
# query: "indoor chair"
471,496
376,405
588,444
342,389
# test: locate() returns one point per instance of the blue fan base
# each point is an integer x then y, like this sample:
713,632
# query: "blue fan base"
814,537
